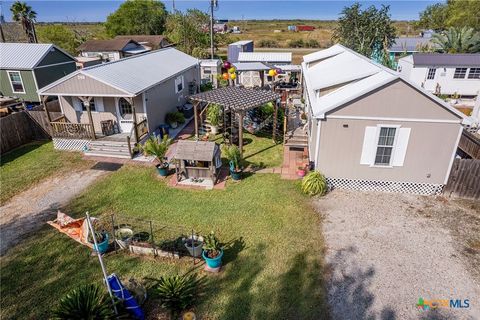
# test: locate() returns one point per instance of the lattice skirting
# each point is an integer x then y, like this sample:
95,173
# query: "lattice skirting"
70,144
386,186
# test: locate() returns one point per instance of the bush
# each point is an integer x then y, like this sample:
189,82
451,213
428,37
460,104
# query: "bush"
176,293
265,43
296,43
314,183
177,117
214,114
206,87
312,43
85,302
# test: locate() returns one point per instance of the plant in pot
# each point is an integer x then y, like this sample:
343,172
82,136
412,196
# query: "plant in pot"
102,241
174,118
158,149
214,112
232,153
212,251
194,245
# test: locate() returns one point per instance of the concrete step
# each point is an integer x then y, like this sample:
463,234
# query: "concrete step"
110,154
114,144
109,149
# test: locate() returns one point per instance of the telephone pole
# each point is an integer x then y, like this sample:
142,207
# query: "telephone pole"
213,4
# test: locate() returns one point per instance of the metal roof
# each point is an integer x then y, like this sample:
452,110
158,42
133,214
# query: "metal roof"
194,150
446,60
289,67
210,62
138,73
241,42
251,66
25,56
265,57
409,44
350,75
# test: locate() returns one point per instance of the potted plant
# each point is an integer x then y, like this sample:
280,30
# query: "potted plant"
102,241
303,117
301,172
158,149
140,244
124,235
232,153
212,251
214,116
194,245
174,118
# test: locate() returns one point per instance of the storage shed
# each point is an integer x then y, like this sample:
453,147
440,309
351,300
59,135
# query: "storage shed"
240,46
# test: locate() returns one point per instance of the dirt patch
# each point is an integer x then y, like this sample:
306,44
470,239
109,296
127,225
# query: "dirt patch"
29,210
385,251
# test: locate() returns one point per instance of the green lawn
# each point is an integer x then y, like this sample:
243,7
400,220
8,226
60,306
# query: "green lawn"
273,265
25,166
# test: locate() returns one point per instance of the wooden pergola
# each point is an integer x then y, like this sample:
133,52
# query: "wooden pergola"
237,100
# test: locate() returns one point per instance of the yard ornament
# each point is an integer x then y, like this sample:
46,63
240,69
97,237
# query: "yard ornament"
272,73
233,76
227,65
225,76
231,70
278,71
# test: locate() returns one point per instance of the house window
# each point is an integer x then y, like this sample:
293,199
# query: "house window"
125,109
474,73
460,73
431,73
178,84
207,70
92,106
16,81
385,146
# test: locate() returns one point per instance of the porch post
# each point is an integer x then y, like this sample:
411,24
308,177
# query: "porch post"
86,103
195,117
134,116
44,103
240,133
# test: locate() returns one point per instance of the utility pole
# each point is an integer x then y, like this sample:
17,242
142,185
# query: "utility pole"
213,3
173,4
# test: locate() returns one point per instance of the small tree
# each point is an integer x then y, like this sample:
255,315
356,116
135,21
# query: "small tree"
59,35
366,31
23,13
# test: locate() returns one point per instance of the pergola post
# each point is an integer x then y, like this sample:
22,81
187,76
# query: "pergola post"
275,117
262,78
86,103
195,118
240,132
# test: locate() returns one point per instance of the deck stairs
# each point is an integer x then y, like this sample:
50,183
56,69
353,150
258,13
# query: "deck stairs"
297,138
103,148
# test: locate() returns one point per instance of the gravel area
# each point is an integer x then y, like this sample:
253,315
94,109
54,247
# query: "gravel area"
29,210
385,251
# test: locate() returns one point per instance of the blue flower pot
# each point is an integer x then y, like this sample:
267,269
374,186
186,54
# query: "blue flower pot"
102,246
215,262
236,175
162,171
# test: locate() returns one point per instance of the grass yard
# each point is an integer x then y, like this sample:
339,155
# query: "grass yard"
23,167
273,266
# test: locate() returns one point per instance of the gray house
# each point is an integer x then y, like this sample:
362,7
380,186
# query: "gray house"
370,129
26,67
121,100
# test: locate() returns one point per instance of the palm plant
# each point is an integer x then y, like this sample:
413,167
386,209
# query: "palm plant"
158,149
23,13
176,293
314,183
85,302
456,40
232,153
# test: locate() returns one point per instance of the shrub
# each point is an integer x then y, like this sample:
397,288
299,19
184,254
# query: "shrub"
153,147
314,183
266,43
214,114
176,116
85,302
232,153
312,43
176,293
296,43
206,87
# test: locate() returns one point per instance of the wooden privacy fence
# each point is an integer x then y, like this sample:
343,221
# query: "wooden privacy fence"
40,117
464,180
470,144
17,129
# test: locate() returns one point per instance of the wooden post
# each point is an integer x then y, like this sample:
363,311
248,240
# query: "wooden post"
262,78
86,103
275,116
195,117
44,103
134,116
240,133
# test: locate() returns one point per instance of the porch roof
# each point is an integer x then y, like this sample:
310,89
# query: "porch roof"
236,98
195,150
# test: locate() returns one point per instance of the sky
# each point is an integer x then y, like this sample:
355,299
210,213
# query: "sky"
98,10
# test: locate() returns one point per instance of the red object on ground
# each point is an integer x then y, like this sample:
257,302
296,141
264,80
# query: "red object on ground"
305,28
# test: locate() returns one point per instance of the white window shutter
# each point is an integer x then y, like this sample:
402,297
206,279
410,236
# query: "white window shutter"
401,147
99,104
369,146
77,104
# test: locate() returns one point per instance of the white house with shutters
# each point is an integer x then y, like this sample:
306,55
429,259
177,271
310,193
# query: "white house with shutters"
370,129
441,73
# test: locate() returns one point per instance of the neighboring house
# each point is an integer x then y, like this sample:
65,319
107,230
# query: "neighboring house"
269,60
240,46
209,70
83,62
370,129
111,50
442,73
138,90
408,45
220,27
26,67
151,42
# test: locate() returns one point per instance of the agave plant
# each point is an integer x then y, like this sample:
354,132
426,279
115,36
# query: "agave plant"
153,147
176,293
456,40
314,183
85,302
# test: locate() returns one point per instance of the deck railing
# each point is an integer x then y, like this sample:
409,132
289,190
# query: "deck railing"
62,129
141,128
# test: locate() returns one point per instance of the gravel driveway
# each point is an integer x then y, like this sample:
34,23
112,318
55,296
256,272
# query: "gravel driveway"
29,210
384,252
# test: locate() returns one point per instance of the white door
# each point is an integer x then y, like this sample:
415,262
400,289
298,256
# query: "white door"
125,115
